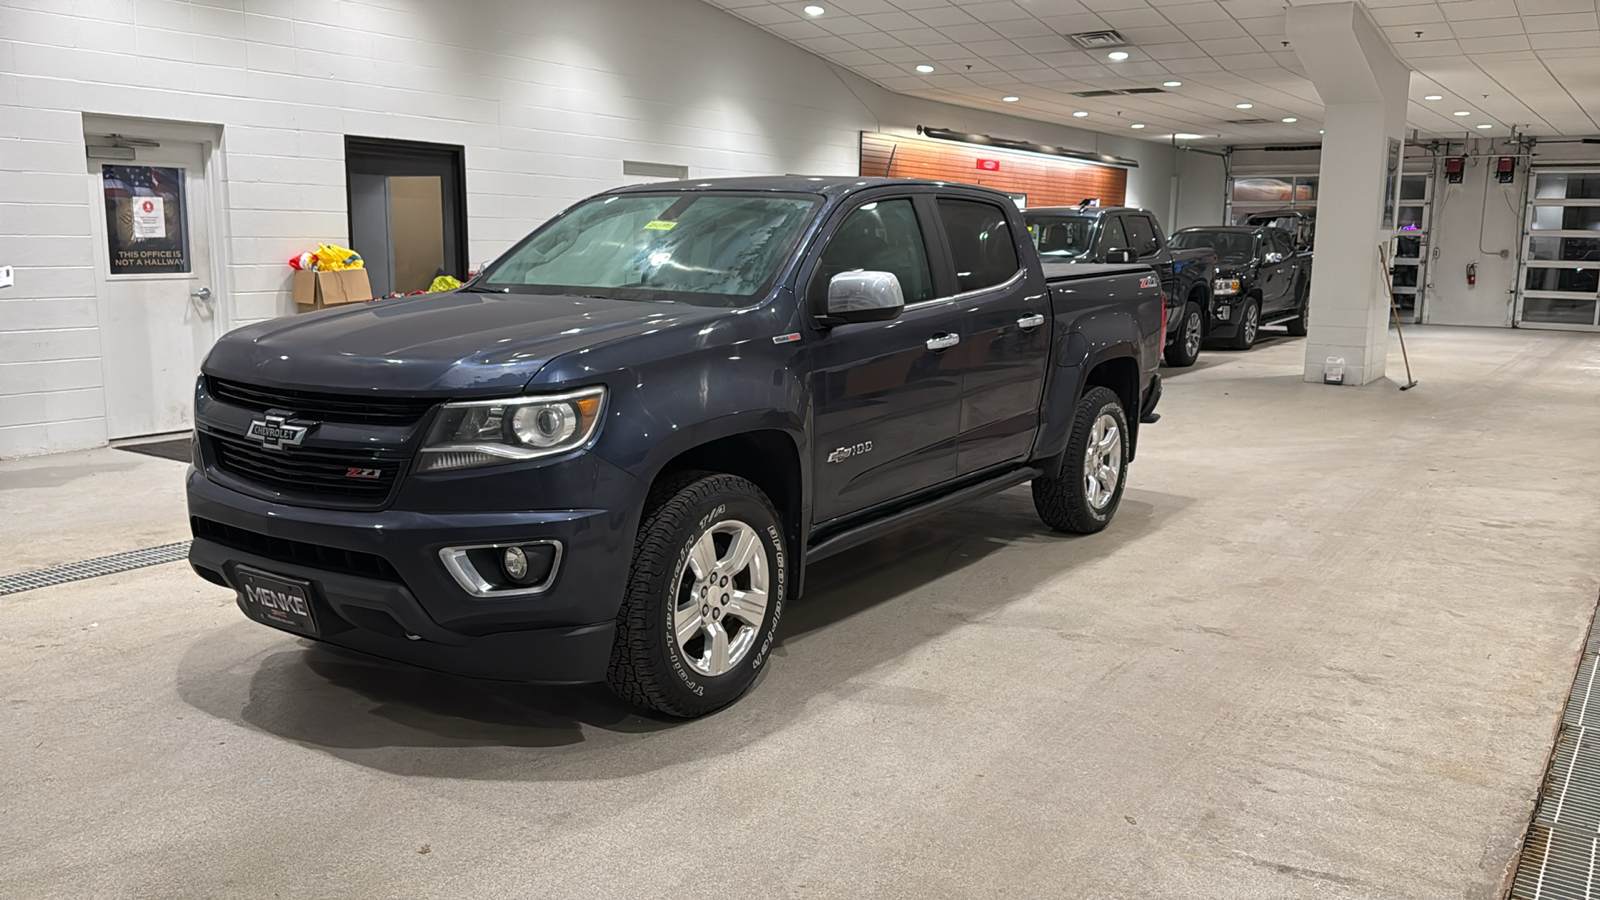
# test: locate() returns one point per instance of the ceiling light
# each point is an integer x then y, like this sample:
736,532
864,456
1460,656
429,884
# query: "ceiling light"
924,68
1172,84
1185,136
1462,112
1290,119
1010,99
814,11
1079,114
1244,106
1322,132
1485,125
1434,97
1118,55
1138,126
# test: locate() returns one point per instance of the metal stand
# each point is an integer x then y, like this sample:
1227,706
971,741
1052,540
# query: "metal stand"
1383,257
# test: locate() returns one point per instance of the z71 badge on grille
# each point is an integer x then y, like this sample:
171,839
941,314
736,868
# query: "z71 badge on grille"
276,433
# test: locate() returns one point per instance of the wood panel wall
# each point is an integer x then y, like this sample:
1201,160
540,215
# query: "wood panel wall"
1045,181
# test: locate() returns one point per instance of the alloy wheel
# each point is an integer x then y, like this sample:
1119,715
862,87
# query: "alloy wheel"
1102,461
1252,323
1191,334
722,597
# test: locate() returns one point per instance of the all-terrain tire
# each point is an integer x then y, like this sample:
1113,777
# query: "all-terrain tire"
1185,348
1249,326
1064,502
649,666
1301,324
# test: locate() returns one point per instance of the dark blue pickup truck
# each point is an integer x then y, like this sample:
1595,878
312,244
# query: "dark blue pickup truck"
611,455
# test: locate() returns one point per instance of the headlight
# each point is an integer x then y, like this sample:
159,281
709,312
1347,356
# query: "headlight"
490,432
1225,286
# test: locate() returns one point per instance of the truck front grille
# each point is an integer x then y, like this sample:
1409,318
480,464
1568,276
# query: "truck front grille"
345,475
322,407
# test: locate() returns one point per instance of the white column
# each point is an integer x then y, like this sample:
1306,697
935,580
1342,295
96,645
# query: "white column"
1363,86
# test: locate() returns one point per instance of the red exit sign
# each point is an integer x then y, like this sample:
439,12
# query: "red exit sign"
989,165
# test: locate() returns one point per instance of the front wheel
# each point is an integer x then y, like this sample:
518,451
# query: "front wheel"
1249,326
1084,496
704,595
1185,349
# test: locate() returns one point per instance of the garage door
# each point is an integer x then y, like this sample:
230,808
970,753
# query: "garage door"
1560,273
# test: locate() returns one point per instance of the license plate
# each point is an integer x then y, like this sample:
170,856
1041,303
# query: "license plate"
274,600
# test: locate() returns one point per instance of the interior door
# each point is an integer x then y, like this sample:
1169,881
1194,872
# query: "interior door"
156,291
887,394
1008,333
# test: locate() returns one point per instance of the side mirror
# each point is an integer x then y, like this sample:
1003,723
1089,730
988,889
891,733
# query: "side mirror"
863,296
1120,256
1273,258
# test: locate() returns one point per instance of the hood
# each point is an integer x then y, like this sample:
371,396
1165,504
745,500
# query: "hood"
459,343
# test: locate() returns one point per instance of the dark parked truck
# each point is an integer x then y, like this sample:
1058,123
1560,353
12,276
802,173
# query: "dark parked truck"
1260,280
1090,234
611,455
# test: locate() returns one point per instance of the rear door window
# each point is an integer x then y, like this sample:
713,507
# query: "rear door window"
1282,243
981,244
879,236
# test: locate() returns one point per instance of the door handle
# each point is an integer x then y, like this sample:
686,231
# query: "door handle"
943,341
202,294
1027,323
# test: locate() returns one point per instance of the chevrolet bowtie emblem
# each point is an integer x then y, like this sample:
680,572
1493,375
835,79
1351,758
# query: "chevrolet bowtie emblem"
276,433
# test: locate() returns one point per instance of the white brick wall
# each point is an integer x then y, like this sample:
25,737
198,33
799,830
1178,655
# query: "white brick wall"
548,97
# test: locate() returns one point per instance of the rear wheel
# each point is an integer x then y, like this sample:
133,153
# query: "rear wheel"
704,595
1299,325
1084,496
1185,347
1249,326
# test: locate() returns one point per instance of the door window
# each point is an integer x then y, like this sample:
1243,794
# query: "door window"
146,226
1281,243
981,245
1141,235
880,236
1111,238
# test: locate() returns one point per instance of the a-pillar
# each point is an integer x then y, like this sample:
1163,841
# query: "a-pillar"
1363,86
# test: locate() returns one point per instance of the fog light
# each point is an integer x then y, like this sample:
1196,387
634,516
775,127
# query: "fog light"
515,562
1223,312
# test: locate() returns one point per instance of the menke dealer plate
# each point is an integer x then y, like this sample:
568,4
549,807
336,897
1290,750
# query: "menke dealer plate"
277,601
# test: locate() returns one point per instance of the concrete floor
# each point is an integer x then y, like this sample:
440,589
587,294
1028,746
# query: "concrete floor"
1321,653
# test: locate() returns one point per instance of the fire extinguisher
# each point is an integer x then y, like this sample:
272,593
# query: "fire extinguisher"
1472,273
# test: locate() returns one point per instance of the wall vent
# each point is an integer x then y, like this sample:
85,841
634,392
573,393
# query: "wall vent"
1094,40
1249,121
1118,92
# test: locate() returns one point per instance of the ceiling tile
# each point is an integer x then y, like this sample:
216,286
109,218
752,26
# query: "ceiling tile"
1121,19
916,37
1104,5
1230,46
901,55
891,21
1481,28
945,52
1053,44
1211,31
994,51
1068,24
1240,62
874,40
1163,34
968,33
1252,9
796,30
842,25
992,12
1175,50
1267,26
1195,12
829,44
1407,15
1548,7
860,7
767,14
1478,9
1016,28
1425,48
1562,22
940,16
1583,39
1494,44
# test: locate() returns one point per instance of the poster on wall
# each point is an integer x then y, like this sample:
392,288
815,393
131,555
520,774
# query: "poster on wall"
1392,184
146,230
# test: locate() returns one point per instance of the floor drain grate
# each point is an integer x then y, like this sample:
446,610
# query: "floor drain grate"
1562,852
93,568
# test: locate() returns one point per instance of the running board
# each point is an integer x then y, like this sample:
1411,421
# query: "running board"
867,531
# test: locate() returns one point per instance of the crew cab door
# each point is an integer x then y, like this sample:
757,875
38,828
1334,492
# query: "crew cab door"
1007,314
1145,241
1283,271
887,395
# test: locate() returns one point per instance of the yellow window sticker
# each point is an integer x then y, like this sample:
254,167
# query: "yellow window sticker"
659,225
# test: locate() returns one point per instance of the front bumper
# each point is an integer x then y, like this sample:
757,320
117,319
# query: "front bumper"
380,586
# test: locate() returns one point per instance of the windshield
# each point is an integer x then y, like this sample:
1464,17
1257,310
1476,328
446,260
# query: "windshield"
1061,235
1237,246
708,249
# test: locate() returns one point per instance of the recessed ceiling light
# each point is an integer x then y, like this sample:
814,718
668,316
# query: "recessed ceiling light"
1290,119
1172,84
1010,99
1485,125
924,68
1434,97
814,11
1321,132
1244,106
1118,55
1462,112
1139,125
1079,114
1185,136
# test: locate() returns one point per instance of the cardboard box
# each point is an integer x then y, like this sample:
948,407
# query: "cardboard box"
319,290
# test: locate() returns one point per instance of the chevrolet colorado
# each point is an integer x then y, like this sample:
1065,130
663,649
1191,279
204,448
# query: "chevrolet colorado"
611,455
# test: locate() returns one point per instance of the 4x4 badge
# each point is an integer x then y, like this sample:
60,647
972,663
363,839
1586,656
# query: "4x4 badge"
276,433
